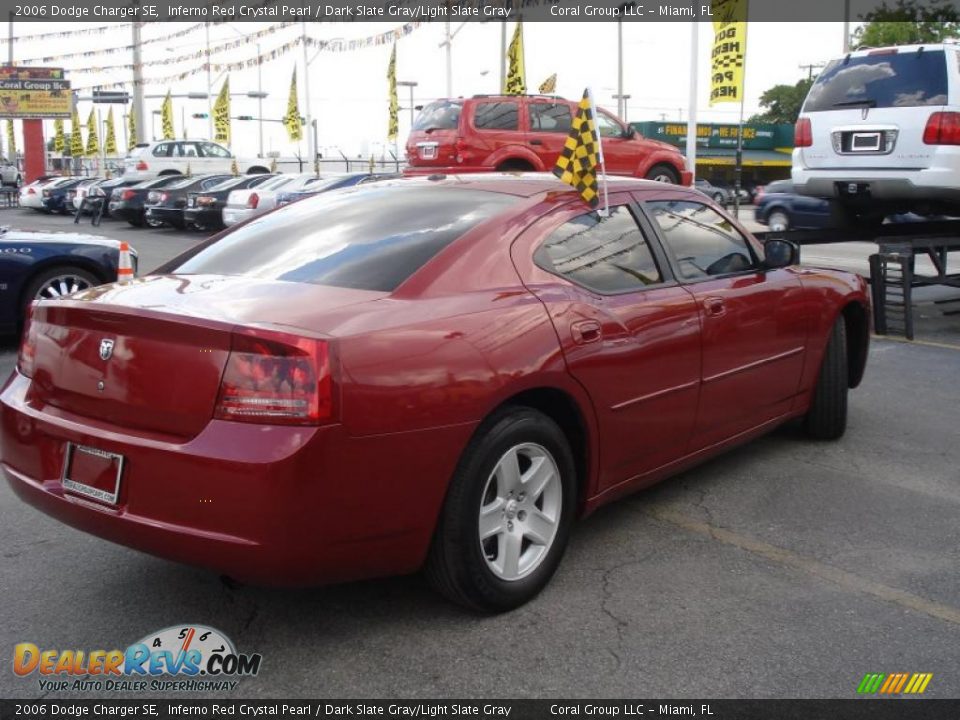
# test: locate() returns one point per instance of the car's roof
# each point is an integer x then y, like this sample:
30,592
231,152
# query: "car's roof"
526,184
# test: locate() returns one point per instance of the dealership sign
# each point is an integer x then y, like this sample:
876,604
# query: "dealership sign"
33,92
710,135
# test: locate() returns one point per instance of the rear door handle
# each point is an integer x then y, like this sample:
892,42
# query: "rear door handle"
536,142
714,306
585,331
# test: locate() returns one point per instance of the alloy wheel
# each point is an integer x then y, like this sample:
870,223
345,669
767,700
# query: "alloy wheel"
61,285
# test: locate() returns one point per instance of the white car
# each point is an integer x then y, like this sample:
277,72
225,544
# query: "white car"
31,196
245,204
9,174
880,132
182,157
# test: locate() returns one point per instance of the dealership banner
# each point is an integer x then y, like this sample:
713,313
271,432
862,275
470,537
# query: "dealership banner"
35,92
729,52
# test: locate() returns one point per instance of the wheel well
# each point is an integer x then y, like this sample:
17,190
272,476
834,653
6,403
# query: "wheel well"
257,170
858,340
170,172
514,164
564,411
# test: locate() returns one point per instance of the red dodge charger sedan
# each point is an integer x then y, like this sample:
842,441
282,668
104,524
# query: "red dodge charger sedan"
437,373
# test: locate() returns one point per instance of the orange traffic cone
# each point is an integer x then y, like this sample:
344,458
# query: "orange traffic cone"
125,266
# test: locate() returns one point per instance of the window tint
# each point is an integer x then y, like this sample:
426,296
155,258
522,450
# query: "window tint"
607,126
211,150
604,254
370,238
211,182
162,150
495,116
902,79
440,115
182,183
550,117
703,242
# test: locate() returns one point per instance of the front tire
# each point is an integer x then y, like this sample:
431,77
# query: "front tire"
778,221
507,516
56,282
827,417
663,173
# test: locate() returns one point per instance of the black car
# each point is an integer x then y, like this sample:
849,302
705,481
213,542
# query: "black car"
104,189
55,199
323,184
204,209
166,206
128,203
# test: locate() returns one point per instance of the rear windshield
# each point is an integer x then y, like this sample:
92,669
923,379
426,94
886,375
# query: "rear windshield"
440,115
903,79
365,238
232,182
780,186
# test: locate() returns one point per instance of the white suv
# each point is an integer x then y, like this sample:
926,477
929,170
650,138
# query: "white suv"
178,157
880,132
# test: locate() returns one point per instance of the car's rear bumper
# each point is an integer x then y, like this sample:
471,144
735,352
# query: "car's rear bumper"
174,216
234,216
937,183
209,217
260,503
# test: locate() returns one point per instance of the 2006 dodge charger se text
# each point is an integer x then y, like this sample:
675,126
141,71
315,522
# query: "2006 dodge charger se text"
437,373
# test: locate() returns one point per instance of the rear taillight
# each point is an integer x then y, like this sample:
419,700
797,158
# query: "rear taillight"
206,200
276,378
28,345
462,149
31,191
163,197
943,128
127,195
253,201
142,166
802,133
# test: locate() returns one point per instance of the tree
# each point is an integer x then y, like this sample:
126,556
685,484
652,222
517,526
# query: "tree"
782,103
908,22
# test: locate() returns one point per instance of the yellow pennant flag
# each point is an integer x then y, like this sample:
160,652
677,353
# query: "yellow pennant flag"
221,114
131,130
11,143
580,157
393,126
59,140
516,81
110,142
76,135
729,50
166,118
93,137
549,86
291,121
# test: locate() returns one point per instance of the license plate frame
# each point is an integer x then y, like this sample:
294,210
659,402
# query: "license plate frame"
90,492
428,151
865,142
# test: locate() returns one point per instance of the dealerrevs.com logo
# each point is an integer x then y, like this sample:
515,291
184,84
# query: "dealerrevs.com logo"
178,658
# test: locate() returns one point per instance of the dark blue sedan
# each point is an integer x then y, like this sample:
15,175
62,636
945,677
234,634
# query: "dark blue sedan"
55,198
781,208
323,184
37,265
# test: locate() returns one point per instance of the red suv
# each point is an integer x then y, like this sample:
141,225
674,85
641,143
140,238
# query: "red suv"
510,132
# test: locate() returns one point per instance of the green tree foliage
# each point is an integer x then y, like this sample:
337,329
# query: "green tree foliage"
782,103
908,22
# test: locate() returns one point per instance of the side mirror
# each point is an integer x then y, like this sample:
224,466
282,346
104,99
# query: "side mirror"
780,254
629,133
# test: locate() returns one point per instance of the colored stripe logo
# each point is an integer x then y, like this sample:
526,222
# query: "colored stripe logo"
894,683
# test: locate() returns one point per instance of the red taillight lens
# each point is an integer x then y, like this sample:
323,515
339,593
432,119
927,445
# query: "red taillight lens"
28,345
127,195
803,133
31,191
943,128
142,166
163,197
276,379
253,201
206,200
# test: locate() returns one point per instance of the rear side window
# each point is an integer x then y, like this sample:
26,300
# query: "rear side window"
902,79
496,116
546,117
440,115
608,255
702,241
365,238
162,150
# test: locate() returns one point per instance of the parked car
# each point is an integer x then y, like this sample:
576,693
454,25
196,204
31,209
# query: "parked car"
782,208
31,195
245,204
53,197
421,373
719,195
880,132
102,189
78,190
10,174
334,182
166,206
186,157
128,203
204,208
510,132
36,266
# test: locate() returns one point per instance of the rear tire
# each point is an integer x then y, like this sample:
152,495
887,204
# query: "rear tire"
827,417
517,479
663,173
778,221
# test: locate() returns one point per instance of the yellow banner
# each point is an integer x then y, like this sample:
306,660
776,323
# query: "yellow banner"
59,140
549,86
221,114
93,136
110,141
729,52
516,81
166,118
291,121
393,125
131,130
11,143
76,135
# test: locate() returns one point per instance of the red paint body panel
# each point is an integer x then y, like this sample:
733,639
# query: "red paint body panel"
664,385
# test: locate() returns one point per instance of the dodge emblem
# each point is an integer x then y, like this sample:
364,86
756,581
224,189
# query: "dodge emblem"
106,349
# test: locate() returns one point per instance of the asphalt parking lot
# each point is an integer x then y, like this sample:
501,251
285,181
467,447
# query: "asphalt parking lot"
787,568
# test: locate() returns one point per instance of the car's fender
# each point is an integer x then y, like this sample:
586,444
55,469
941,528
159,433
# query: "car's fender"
660,156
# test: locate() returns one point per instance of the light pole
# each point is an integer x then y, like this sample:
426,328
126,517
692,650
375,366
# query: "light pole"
409,84
209,87
153,124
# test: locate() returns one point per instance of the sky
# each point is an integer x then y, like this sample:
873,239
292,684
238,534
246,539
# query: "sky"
348,90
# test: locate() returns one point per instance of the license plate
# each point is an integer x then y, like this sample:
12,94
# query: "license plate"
865,142
428,152
192,202
92,472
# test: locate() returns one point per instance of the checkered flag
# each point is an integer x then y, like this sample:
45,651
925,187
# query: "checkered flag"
581,154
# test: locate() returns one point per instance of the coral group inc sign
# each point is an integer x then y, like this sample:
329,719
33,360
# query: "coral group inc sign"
33,92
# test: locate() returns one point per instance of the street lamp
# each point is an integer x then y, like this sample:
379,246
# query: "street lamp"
409,84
